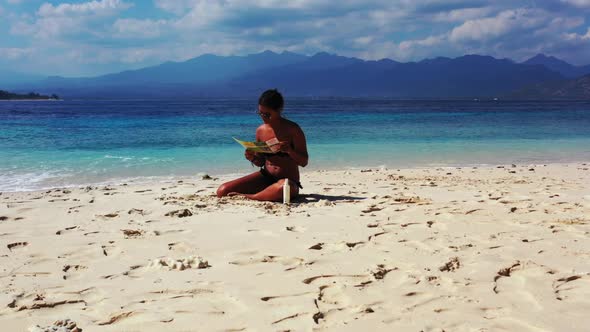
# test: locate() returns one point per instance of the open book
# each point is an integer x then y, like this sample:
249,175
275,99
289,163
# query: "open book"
270,146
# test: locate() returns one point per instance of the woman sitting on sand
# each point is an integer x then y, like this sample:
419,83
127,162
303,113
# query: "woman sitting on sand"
291,152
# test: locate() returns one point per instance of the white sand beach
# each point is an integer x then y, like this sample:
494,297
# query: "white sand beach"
499,248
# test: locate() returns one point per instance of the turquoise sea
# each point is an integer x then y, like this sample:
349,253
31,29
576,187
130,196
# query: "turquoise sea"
79,142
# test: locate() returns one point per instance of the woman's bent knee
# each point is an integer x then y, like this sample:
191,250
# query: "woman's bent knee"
222,190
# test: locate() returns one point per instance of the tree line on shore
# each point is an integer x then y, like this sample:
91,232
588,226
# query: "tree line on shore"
5,95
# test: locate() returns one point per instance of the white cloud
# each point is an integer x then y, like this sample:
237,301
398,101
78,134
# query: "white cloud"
384,17
87,8
137,55
577,37
201,14
429,41
181,7
363,41
259,32
48,27
405,50
491,27
13,53
556,25
68,19
462,15
578,3
134,28
174,6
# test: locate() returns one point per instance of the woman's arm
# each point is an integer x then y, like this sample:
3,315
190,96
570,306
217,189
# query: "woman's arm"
257,159
297,152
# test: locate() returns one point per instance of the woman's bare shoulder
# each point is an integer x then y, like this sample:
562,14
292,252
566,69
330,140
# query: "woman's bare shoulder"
262,130
292,124
262,127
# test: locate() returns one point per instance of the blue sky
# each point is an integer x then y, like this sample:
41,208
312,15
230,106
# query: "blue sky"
79,38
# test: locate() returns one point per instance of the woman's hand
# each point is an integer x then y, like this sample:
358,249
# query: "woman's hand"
254,158
249,155
284,146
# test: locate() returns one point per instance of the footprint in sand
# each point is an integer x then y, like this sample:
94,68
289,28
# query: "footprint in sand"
514,199
381,271
352,245
372,208
525,282
378,273
179,213
40,302
573,288
271,298
292,262
67,268
317,246
17,245
65,325
411,200
337,247
180,247
115,318
295,229
132,233
168,232
323,203
140,212
179,264
108,215
573,221
493,313
71,270
450,266
332,297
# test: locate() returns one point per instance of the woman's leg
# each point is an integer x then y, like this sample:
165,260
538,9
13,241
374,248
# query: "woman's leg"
249,184
274,192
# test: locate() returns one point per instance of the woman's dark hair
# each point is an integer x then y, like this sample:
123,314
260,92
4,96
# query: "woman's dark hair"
272,99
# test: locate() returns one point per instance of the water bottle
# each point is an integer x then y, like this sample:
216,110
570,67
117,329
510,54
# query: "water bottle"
286,192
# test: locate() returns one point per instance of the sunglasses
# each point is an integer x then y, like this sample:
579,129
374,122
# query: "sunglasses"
263,114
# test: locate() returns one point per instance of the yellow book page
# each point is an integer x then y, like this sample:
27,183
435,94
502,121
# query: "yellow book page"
260,147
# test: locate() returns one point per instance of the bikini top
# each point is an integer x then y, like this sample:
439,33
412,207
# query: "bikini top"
279,154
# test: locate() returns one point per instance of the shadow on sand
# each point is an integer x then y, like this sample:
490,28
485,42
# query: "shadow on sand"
314,198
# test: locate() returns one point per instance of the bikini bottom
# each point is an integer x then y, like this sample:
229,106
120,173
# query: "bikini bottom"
272,178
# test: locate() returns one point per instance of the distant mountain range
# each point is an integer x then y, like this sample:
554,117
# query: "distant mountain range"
323,74
560,66
576,89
